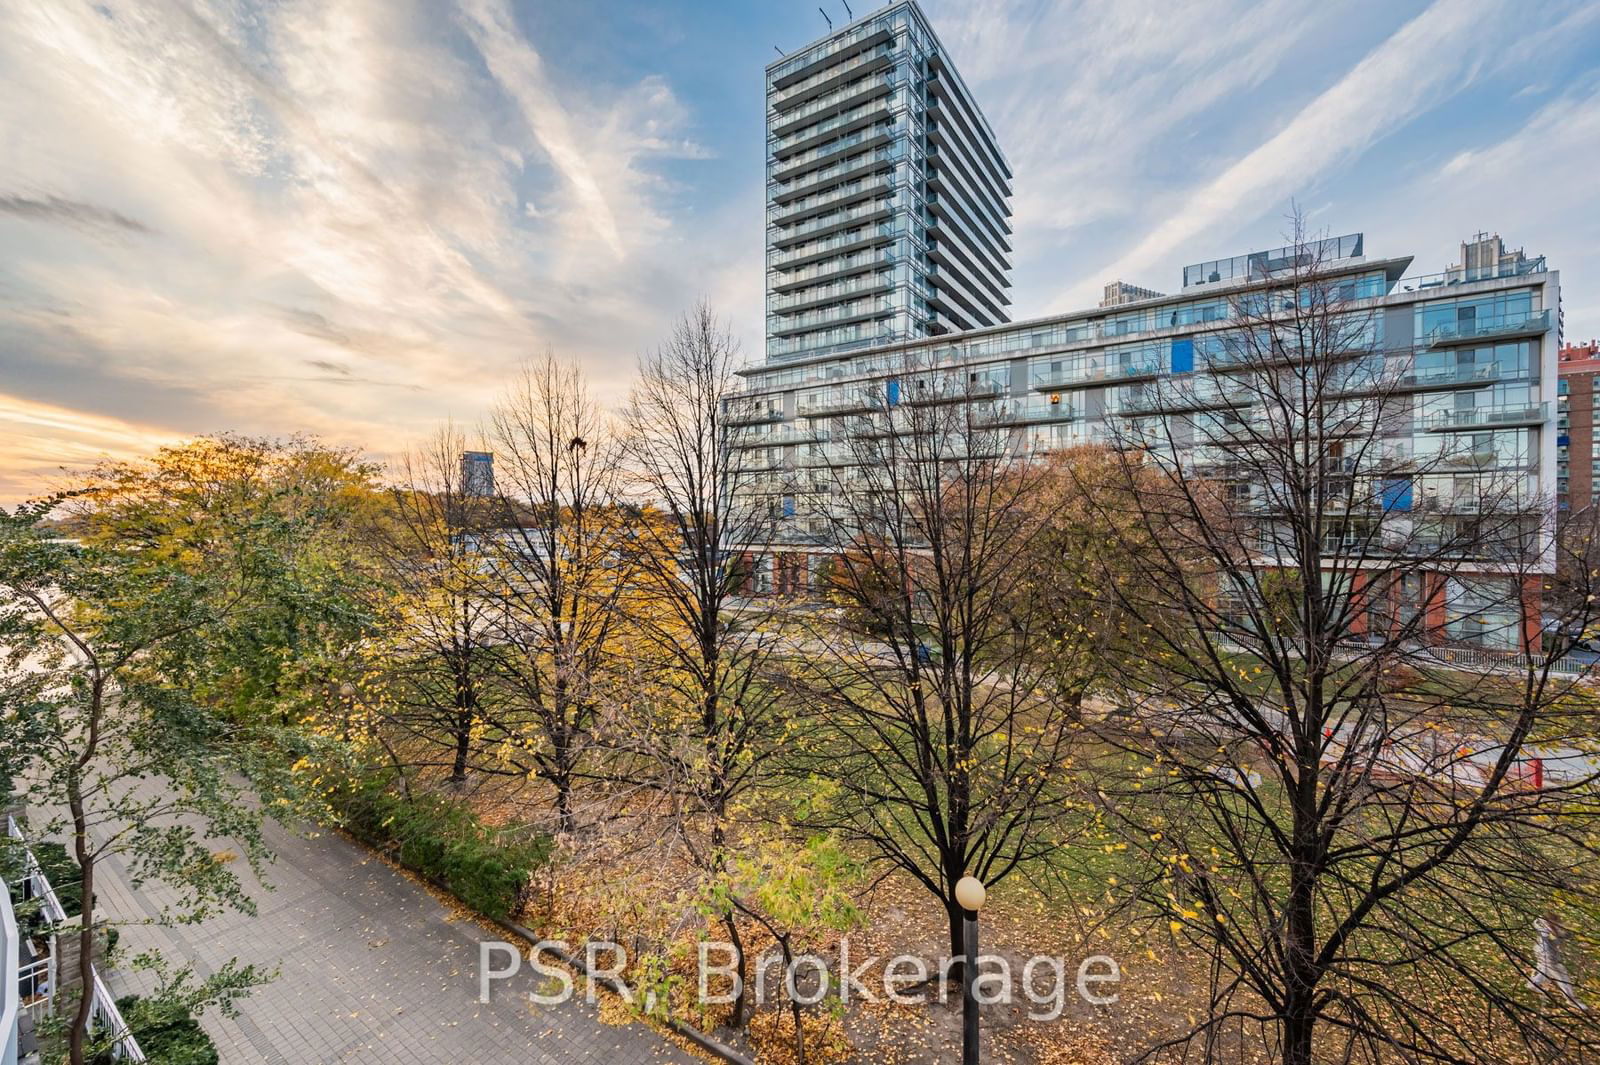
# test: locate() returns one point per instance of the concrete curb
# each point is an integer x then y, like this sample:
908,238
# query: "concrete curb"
692,1034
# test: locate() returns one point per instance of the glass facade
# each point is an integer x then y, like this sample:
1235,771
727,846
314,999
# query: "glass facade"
1466,423
888,200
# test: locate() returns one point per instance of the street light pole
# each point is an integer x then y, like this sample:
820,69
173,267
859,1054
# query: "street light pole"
970,895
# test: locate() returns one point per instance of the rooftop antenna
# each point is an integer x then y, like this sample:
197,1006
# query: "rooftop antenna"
847,10
826,19
780,51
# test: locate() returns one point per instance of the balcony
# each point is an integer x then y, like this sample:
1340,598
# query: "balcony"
843,266
857,311
32,986
1506,327
800,210
788,434
1164,401
1503,416
855,166
850,240
1462,276
849,94
794,75
821,133
955,393
741,414
1052,380
866,140
1025,412
816,297
841,404
1462,375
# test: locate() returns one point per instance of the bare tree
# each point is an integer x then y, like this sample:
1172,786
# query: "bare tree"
1336,799
701,535
945,760
562,570
427,695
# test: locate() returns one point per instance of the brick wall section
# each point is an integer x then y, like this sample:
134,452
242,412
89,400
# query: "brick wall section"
1578,365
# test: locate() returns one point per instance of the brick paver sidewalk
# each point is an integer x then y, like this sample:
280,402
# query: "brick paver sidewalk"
372,969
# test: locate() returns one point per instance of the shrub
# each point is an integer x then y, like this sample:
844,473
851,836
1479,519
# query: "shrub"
488,869
166,1033
63,873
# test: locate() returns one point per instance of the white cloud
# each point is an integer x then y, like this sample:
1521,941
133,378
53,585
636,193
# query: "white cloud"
520,69
1382,92
312,215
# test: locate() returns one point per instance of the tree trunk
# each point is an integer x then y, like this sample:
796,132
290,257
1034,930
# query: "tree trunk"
794,1005
565,815
1300,943
1299,1024
77,1034
736,1016
463,730
458,769
958,938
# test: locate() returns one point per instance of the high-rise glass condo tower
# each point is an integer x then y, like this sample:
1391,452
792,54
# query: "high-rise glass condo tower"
888,200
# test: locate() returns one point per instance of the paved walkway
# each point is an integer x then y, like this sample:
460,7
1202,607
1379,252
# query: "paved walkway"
372,969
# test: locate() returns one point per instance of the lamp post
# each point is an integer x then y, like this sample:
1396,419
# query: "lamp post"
970,895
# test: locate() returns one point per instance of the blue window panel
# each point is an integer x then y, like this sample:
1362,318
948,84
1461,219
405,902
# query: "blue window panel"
1396,494
894,392
1563,441
788,506
1183,355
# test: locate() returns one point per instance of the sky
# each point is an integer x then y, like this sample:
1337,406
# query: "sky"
357,218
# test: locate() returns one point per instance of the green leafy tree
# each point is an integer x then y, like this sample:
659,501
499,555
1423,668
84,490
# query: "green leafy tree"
272,528
99,724
796,894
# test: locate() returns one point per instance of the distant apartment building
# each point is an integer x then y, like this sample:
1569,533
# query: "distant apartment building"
1120,293
477,473
1577,462
1472,352
888,197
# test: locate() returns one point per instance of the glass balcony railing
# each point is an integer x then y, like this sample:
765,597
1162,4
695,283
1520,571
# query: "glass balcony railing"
797,163
1468,373
808,296
842,240
795,323
817,178
780,436
847,401
854,261
1079,375
778,214
828,221
827,102
1461,276
778,145
1024,411
741,414
1479,417
1504,325
822,52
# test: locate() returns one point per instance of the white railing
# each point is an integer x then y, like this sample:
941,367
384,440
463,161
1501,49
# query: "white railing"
35,885
10,994
103,1011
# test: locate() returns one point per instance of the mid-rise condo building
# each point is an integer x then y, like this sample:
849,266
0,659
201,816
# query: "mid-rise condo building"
1467,358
